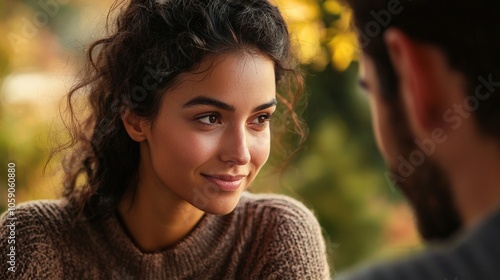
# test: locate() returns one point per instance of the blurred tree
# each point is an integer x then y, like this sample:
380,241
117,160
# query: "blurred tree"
27,50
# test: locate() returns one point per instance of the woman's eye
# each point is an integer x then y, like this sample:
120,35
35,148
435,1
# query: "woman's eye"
210,119
261,119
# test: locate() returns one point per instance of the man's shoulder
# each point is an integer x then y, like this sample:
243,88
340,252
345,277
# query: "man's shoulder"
473,256
426,265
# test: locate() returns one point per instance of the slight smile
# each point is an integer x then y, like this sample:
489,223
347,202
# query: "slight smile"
224,182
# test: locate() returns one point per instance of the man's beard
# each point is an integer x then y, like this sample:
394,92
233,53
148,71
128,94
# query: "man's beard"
426,188
432,201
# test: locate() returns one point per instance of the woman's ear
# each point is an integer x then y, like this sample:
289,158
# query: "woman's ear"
134,125
417,67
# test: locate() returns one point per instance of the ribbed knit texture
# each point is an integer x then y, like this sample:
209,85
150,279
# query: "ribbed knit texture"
265,237
475,256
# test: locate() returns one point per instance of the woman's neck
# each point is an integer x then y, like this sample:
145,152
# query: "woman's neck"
156,218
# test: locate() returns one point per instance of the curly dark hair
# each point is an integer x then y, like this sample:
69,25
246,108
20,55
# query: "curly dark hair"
132,68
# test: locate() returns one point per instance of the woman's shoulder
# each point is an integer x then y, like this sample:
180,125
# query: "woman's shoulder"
33,232
46,218
37,211
289,232
278,210
281,204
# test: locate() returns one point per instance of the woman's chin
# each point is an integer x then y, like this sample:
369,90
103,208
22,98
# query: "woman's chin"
219,205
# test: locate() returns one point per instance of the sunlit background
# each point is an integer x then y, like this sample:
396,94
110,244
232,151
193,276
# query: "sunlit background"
339,173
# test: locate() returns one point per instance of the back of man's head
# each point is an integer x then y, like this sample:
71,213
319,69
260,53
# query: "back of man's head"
435,63
466,31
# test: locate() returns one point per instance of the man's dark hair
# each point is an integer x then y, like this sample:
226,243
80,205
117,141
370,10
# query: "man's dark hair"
466,31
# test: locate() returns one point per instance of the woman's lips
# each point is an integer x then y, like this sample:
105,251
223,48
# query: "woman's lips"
229,183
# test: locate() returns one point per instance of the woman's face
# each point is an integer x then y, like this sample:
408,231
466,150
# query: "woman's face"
211,135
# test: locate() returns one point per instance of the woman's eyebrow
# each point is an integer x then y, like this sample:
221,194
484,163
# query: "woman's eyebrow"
266,105
202,100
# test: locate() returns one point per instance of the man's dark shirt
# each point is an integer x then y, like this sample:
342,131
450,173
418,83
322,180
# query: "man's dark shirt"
475,255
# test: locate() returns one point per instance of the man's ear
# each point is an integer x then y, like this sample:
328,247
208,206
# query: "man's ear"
134,125
416,66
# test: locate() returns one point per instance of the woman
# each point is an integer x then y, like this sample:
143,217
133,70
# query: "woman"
181,95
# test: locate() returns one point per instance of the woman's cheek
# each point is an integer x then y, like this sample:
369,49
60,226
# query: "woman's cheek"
198,147
261,148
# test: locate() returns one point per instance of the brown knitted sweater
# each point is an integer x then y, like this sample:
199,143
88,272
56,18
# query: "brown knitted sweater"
265,237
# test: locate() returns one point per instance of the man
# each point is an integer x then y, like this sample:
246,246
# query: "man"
432,71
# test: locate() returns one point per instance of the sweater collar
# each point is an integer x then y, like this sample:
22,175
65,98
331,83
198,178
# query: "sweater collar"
195,252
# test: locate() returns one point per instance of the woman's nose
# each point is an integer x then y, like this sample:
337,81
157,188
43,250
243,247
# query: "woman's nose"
234,148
